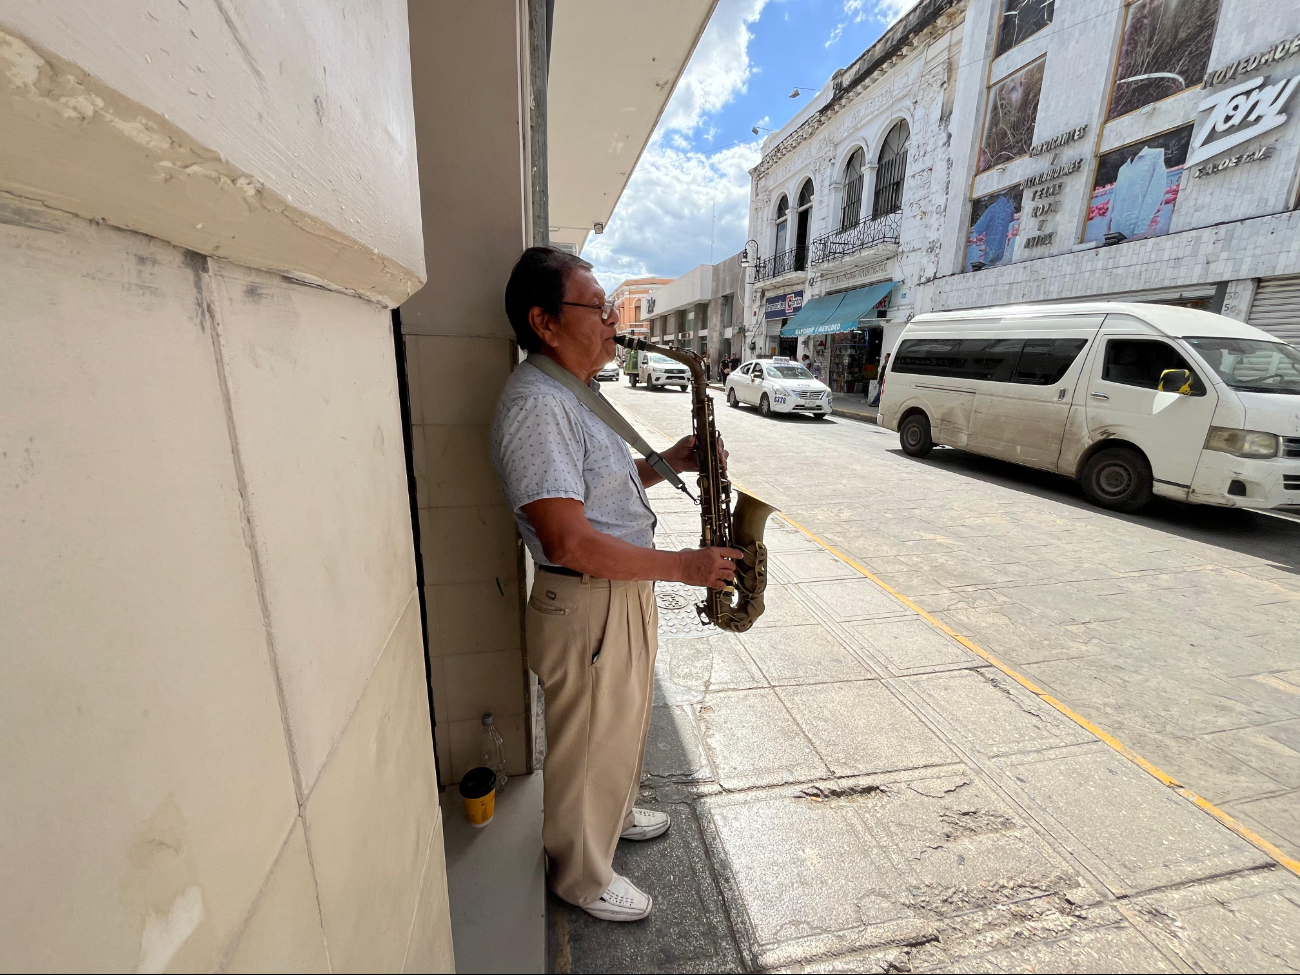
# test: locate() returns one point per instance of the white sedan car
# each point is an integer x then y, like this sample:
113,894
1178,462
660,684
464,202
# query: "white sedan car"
778,386
608,372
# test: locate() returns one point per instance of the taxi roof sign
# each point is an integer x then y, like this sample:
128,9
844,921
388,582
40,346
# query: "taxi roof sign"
780,360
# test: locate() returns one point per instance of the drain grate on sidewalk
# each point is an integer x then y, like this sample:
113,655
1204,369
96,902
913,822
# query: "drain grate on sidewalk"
677,617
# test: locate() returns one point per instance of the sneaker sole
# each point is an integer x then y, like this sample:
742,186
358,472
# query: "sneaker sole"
641,837
619,915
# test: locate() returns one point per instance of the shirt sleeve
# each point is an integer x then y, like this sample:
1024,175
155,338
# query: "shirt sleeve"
540,451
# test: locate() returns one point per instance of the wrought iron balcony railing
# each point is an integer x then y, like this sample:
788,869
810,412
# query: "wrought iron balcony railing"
863,234
795,259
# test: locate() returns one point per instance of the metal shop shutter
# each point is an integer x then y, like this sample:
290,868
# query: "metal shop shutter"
1276,308
1171,296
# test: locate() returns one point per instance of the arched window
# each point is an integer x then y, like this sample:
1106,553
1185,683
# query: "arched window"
803,223
782,222
636,310
851,211
892,171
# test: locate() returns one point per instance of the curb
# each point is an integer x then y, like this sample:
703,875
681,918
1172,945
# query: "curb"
851,415
835,411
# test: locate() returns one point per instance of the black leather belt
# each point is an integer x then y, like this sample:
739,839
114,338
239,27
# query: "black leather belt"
560,570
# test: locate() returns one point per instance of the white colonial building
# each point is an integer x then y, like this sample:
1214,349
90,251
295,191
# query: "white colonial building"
848,201
994,151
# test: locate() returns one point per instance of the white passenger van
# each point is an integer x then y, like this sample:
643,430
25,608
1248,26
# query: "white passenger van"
1131,399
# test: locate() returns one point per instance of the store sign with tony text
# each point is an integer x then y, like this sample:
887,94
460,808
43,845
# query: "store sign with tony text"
782,306
1238,114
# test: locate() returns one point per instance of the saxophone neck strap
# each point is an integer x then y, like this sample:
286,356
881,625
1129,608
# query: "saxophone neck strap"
609,416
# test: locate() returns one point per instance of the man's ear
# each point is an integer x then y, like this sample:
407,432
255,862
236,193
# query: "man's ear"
544,325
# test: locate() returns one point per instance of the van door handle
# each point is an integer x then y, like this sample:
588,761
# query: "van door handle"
1100,395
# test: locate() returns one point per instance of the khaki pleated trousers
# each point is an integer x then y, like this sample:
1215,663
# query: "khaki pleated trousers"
592,642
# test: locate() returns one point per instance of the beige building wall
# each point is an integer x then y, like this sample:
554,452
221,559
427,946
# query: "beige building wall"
460,350
212,687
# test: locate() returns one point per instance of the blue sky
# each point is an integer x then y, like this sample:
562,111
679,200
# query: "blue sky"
695,171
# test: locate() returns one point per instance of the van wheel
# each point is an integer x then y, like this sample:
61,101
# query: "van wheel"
1118,478
914,435
731,399
765,406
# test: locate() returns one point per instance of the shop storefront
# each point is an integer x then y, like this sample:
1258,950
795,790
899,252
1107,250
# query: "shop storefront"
778,310
852,359
839,333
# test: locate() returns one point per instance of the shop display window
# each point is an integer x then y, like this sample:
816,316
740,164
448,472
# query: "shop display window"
1022,19
1136,187
1165,50
994,226
854,359
1011,117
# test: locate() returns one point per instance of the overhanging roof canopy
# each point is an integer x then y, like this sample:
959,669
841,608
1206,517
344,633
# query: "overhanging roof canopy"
836,313
614,64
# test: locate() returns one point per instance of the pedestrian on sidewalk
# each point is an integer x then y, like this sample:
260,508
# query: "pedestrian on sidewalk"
579,500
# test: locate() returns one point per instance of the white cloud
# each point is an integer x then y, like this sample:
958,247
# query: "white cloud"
886,11
856,11
662,224
719,68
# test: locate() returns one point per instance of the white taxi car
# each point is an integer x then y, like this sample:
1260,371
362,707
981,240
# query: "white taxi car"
608,372
778,385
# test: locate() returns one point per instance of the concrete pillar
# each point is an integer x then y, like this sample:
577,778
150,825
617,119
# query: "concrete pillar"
460,351
218,745
1238,298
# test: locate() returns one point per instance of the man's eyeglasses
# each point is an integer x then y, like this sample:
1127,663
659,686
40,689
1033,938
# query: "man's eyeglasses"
606,310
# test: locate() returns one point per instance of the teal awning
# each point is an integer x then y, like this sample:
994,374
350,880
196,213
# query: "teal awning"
836,313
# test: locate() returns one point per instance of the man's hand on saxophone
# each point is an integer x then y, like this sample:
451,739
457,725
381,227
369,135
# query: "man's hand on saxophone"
714,568
681,457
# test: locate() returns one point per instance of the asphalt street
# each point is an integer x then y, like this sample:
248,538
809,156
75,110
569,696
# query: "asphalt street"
972,730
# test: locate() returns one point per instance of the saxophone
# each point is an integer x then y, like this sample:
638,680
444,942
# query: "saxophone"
739,605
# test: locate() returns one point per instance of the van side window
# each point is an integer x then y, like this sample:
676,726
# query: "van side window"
991,360
1139,362
1044,361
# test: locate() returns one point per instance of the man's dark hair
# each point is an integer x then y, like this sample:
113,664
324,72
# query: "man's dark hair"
537,281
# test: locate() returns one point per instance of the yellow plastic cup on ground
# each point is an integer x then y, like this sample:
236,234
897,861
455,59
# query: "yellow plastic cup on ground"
478,788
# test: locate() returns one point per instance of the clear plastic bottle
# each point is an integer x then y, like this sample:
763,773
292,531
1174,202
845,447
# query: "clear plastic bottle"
494,751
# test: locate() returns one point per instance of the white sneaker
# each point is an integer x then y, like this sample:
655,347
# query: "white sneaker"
646,825
622,901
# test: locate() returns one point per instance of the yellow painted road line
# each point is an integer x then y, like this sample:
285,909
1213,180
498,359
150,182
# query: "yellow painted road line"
1159,774
1247,834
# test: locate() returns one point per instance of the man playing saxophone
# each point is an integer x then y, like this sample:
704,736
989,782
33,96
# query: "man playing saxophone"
579,500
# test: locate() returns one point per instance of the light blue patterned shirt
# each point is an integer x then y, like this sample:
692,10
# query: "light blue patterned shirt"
546,444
